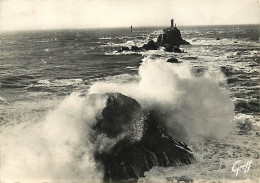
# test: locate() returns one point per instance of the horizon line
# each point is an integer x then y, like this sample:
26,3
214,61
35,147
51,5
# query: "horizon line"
119,27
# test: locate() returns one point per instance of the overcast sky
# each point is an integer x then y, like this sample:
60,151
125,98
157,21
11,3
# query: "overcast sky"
64,14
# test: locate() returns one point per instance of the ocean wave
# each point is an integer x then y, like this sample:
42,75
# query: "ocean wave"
132,68
58,82
59,145
128,43
222,42
106,38
56,147
123,53
247,106
122,78
176,93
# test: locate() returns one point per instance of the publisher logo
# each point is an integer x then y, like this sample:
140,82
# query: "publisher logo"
240,166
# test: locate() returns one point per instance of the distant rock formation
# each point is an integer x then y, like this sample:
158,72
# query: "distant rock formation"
135,48
177,50
139,142
151,45
123,48
170,39
173,60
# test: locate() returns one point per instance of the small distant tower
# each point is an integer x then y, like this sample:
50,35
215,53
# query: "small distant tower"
172,23
131,28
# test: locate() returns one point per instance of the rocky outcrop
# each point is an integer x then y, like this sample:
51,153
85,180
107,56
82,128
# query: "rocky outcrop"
139,142
171,38
135,48
123,48
151,45
177,50
173,60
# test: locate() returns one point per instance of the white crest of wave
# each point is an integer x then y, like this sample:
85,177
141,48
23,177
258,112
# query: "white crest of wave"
57,148
192,108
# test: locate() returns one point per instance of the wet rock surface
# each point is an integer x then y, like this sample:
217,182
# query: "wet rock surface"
151,45
141,142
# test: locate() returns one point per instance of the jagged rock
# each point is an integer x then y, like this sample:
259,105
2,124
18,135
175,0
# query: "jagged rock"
171,37
168,48
123,49
177,50
135,48
173,60
151,45
118,107
139,142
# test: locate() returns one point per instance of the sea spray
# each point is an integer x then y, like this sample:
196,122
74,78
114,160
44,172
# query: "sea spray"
56,148
60,146
192,108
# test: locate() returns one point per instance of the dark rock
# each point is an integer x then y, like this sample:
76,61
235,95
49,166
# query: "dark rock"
124,49
168,48
139,141
185,179
171,37
235,42
177,50
135,48
228,71
218,38
151,45
118,107
223,166
173,60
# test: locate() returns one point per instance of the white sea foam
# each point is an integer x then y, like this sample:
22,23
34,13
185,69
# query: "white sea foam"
192,108
106,38
2,99
59,82
58,147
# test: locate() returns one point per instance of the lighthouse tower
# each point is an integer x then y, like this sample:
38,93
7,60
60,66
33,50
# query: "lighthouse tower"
172,23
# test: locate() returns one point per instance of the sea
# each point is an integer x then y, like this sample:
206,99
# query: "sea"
212,94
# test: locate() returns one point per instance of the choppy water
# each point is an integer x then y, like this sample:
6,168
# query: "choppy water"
38,70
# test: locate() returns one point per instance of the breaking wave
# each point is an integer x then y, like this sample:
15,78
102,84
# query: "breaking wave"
59,146
192,108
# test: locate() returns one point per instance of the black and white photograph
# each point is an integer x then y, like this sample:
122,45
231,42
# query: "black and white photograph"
129,91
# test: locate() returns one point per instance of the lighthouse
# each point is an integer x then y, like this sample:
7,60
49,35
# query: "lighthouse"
172,23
